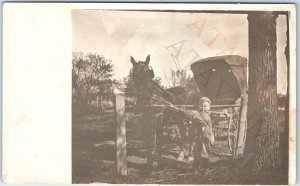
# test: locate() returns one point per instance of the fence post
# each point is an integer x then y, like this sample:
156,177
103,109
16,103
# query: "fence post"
97,101
121,161
101,102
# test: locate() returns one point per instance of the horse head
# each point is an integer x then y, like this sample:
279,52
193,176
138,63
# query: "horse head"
141,72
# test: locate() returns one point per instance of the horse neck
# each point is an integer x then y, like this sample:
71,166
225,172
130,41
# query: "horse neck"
162,93
145,93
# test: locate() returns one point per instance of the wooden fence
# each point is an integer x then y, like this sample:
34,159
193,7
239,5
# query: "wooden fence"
119,108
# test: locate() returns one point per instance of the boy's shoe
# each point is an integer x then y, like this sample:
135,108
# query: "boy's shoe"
190,158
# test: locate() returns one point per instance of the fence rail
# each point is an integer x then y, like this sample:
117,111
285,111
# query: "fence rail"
190,106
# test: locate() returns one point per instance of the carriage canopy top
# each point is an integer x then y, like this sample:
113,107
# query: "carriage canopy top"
223,78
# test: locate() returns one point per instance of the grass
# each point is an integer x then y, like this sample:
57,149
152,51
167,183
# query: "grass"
94,155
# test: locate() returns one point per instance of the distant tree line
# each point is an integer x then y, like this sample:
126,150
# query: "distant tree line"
92,80
180,78
91,77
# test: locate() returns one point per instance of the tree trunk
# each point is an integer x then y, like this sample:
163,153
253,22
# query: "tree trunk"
263,85
285,135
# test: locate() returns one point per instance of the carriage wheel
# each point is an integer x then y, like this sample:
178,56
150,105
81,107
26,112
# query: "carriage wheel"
233,121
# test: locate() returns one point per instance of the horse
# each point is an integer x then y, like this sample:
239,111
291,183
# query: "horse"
150,94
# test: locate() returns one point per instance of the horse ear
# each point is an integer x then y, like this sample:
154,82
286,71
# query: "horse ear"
147,60
133,61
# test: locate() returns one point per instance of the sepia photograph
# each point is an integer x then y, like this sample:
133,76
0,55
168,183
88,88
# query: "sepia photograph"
180,97
149,93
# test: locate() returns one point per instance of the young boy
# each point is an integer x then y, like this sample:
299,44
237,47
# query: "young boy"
203,136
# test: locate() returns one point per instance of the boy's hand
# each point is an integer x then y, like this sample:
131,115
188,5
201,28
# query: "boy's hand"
227,115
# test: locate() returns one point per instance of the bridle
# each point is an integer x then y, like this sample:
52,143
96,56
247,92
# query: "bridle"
149,68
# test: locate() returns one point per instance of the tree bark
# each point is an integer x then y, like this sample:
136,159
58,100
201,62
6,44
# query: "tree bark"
263,85
285,136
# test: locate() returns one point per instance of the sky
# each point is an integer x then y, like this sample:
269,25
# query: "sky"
117,35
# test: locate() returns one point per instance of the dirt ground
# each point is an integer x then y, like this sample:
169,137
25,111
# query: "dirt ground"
94,154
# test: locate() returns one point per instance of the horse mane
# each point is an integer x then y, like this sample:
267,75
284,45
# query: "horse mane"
149,90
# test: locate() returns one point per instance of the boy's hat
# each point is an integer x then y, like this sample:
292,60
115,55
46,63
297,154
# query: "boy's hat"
203,99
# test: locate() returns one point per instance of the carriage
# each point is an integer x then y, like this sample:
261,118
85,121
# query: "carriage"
223,79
